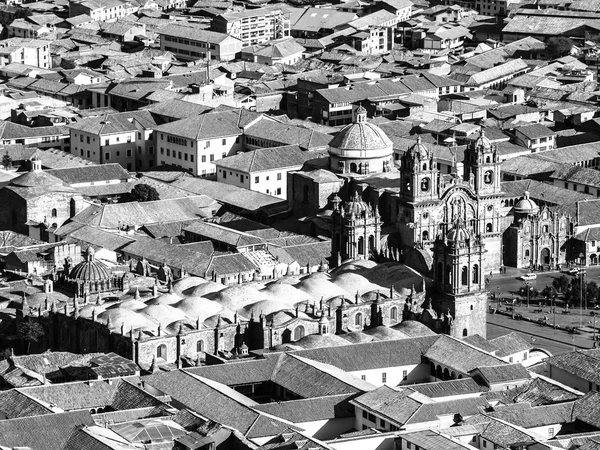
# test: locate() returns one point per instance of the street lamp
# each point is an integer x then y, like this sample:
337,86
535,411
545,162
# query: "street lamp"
498,297
581,278
527,285
554,310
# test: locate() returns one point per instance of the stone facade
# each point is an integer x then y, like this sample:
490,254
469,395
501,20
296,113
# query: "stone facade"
536,237
430,202
67,330
355,230
36,203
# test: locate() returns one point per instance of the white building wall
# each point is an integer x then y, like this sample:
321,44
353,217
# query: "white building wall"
201,154
394,375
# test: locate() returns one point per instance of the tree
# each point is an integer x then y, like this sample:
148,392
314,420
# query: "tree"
561,283
6,161
548,292
559,46
592,292
144,193
29,331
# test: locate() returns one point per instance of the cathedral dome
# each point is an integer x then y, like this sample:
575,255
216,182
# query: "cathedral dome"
482,142
36,177
356,207
526,205
361,135
419,150
90,269
458,233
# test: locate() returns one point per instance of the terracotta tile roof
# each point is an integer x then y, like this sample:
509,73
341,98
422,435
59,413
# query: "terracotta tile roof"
206,126
527,416
194,33
502,373
119,394
540,191
87,174
286,134
502,433
587,409
509,344
294,440
14,404
373,355
459,356
396,405
45,432
236,196
429,439
308,378
113,215
285,157
241,372
115,123
311,409
217,403
193,261
221,233
448,388
466,407
583,363
540,391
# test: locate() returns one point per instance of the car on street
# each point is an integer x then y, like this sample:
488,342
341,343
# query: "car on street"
528,277
576,271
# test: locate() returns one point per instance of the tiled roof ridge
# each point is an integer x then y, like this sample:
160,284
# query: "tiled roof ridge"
317,364
476,348
251,165
35,399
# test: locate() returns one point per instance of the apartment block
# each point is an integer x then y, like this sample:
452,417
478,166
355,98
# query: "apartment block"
191,43
254,26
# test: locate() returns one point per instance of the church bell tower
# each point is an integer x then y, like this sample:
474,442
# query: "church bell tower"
458,275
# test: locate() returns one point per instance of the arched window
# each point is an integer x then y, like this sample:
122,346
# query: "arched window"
298,333
371,243
489,228
545,229
358,320
425,166
464,278
465,332
394,313
54,212
448,274
527,253
475,276
425,235
353,168
161,352
361,245
200,346
487,160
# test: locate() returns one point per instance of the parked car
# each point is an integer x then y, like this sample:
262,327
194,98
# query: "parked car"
528,277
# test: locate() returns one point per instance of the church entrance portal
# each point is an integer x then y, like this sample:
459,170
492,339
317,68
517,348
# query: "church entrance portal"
545,256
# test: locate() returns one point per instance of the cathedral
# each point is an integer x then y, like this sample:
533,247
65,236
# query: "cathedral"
454,220
431,203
